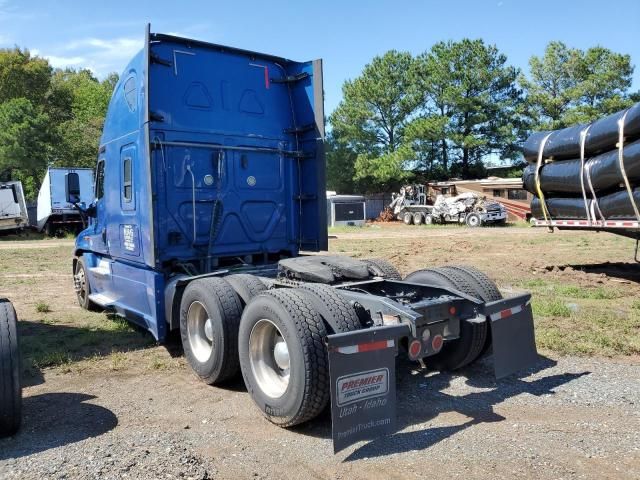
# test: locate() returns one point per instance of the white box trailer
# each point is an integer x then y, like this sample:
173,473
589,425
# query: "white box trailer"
13,208
61,188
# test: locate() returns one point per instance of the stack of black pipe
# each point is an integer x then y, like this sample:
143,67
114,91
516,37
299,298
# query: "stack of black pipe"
607,197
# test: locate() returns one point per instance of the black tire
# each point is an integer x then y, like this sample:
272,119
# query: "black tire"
486,290
222,306
246,286
338,314
407,218
10,371
418,218
50,229
428,219
473,220
463,351
83,287
307,389
380,267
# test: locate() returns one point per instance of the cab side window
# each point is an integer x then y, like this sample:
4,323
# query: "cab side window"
100,180
127,192
127,177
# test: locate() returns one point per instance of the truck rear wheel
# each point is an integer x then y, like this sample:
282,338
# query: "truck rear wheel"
246,286
209,318
382,268
10,371
458,353
283,356
485,289
407,218
336,311
417,218
428,219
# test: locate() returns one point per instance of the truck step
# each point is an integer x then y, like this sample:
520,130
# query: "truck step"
102,299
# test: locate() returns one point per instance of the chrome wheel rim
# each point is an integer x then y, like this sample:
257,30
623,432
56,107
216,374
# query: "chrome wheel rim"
82,284
200,331
473,221
269,358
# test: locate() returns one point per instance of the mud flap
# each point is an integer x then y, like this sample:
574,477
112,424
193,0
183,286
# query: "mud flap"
363,383
512,332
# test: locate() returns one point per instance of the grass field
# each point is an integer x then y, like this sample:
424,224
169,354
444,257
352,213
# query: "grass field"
586,295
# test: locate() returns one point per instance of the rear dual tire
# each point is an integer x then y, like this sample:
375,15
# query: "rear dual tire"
283,356
210,313
278,341
10,371
474,338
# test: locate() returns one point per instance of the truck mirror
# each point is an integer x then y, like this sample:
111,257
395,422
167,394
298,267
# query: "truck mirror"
73,187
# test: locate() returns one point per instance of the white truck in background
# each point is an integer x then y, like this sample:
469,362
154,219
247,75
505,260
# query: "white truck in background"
13,208
60,190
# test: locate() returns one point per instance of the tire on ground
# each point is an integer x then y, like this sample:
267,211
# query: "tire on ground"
338,314
458,353
473,219
10,371
418,218
380,267
83,287
428,219
485,288
246,286
305,393
211,350
407,218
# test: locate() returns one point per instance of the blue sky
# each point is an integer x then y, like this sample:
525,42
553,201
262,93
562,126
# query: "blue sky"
104,35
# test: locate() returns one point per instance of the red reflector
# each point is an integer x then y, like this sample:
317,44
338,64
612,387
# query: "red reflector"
368,347
452,310
437,342
414,349
505,313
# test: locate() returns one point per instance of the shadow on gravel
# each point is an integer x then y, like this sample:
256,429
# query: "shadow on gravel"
423,396
621,270
54,420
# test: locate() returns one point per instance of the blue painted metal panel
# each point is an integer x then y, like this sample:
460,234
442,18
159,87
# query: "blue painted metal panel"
225,148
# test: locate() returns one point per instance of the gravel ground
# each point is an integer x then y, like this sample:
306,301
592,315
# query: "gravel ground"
567,418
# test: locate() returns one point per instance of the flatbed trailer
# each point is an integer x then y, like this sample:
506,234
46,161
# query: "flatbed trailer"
210,198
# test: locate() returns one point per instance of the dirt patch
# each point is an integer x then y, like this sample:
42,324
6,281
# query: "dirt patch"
102,400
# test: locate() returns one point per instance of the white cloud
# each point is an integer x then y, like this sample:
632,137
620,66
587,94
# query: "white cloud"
62,62
100,55
105,55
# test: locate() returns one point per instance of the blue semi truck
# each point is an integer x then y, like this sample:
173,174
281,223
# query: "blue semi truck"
209,206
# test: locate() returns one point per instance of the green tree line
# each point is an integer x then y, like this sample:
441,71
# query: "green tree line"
433,116
443,113
48,117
